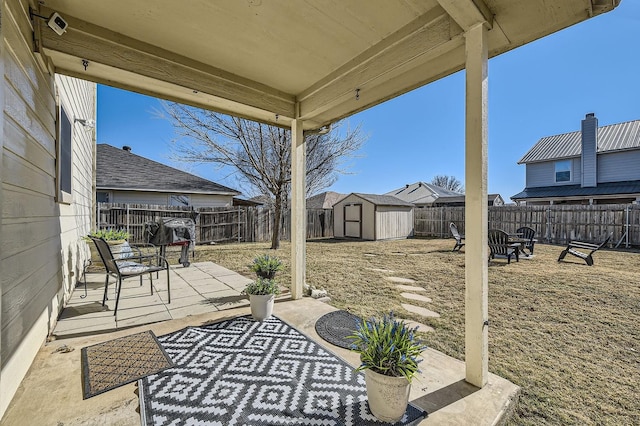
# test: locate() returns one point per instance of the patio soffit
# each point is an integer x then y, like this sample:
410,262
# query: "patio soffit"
276,60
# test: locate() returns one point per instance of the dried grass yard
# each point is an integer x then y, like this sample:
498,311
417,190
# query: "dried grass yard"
566,333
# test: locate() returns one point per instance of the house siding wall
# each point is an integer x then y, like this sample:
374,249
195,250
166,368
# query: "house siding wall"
162,198
619,166
543,174
42,253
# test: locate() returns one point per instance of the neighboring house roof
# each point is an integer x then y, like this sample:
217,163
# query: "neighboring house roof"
608,188
324,200
244,202
421,193
122,170
615,137
461,199
381,200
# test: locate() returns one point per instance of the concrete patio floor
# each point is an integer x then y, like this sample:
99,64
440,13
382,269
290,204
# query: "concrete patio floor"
51,394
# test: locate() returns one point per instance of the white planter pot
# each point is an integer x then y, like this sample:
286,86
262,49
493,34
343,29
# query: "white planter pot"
388,396
261,306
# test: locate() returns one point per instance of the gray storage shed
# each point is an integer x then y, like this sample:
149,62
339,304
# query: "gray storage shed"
372,217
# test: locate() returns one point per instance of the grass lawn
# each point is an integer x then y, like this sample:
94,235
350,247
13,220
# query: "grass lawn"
568,334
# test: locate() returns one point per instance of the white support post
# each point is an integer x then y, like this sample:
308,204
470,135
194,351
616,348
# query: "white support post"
476,212
298,209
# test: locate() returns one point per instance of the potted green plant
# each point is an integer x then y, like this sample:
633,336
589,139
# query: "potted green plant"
389,351
262,293
266,266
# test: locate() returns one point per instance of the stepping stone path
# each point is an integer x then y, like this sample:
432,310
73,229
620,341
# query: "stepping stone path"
409,288
420,311
417,297
385,271
400,280
421,327
409,292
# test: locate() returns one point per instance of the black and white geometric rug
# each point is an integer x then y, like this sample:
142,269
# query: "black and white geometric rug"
244,372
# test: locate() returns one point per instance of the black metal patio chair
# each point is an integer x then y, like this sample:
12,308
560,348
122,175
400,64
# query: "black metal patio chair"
459,237
130,266
574,248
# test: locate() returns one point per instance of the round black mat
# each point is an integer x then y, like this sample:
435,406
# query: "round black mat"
334,327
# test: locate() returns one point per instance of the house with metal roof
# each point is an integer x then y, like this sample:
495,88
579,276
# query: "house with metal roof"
423,194
596,165
372,217
124,177
459,201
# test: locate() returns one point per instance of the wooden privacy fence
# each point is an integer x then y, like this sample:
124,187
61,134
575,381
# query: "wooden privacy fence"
213,225
556,224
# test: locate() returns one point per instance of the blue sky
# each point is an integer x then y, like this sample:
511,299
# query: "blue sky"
541,89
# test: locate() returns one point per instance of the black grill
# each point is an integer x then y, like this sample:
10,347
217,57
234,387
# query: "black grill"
171,231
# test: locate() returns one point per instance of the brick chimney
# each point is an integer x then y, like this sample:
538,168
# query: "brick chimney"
588,161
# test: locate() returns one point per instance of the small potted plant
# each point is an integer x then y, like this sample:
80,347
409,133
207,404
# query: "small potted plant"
266,266
389,351
262,293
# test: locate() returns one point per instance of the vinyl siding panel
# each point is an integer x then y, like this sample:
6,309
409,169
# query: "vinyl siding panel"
139,197
203,200
43,252
543,174
619,166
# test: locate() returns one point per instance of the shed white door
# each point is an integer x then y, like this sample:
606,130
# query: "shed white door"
353,220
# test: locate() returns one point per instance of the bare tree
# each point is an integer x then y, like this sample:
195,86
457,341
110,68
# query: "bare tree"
260,154
448,182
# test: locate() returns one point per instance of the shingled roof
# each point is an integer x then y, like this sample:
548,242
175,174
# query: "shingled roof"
122,170
382,200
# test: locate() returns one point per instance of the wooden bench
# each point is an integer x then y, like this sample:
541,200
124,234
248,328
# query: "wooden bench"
574,248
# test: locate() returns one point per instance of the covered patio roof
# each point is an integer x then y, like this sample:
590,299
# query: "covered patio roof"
276,60
306,64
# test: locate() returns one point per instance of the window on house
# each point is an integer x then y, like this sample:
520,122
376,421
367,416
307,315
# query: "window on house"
563,171
179,200
102,196
64,161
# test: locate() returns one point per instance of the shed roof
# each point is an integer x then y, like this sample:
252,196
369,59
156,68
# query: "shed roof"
124,170
608,188
381,200
614,137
